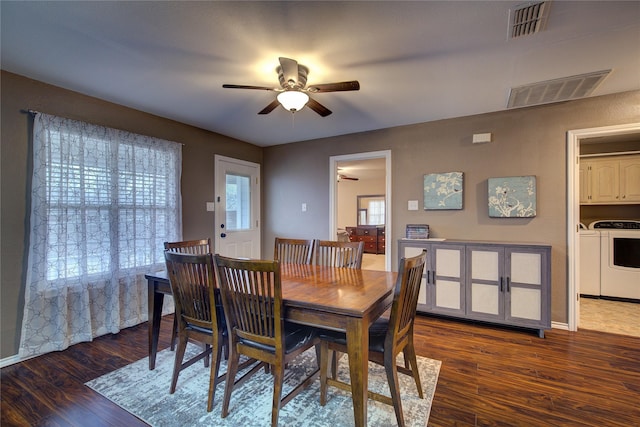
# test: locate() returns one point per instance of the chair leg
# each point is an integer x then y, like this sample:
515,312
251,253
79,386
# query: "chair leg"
215,367
324,366
392,378
232,369
334,364
174,332
177,364
278,377
206,347
410,355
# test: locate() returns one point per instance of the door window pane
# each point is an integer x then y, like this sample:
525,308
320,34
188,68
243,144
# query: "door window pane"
238,202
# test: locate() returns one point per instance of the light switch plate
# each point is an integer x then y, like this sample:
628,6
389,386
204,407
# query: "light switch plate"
211,206
413,205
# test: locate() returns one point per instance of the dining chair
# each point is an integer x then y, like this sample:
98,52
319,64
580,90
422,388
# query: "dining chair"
252,298
293,251
200,246
194,247
192,280
339,254
387,338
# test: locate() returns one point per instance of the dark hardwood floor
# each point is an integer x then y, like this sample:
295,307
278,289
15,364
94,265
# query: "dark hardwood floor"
489,377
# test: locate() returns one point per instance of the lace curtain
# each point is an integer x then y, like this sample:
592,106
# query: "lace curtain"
103,202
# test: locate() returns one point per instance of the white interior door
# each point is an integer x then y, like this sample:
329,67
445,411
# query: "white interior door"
237,210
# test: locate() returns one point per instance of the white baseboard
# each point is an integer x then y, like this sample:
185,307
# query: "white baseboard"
558,325
7,361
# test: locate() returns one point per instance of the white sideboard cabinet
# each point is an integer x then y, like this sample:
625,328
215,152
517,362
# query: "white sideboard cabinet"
503,283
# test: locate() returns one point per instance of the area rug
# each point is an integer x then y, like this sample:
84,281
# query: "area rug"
145,394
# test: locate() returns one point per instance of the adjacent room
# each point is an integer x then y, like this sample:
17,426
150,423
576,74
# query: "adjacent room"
243,213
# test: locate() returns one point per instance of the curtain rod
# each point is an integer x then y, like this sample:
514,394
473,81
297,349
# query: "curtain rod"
34,112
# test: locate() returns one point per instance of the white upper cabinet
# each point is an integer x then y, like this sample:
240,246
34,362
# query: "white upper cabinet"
610,180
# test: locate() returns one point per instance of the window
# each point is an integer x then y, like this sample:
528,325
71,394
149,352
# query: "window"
376,212
103,202
238,202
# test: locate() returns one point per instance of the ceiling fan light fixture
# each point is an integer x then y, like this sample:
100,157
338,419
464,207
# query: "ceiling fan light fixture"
293,100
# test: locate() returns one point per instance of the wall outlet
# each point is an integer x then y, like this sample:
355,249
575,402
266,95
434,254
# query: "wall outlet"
412,205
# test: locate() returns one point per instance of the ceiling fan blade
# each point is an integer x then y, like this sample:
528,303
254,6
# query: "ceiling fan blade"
247,87
289,70
335,87
318,108
350,178
269,108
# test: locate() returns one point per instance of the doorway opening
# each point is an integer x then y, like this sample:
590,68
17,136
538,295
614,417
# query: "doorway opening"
368,177
575,139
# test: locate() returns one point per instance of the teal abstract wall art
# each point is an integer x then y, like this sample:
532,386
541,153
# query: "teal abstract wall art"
512,197
443,190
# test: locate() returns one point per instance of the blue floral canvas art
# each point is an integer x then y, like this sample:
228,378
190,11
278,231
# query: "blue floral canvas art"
512,197
443,190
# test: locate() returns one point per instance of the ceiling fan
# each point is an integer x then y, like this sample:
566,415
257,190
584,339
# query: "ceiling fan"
293,95
342,176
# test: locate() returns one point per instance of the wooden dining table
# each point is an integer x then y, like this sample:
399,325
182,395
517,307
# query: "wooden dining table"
341,299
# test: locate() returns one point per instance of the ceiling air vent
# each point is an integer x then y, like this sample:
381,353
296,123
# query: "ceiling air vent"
557,90
528,18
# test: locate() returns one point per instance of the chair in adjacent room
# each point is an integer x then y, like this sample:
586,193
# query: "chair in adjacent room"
194,247
387,338
293,251
192,281
252,298
339,254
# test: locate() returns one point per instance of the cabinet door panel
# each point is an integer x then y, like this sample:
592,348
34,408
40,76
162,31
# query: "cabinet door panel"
526,268
448,262
448,294
585,182
485,265
526,303
630,180
485,299
605,183
422,295
410,251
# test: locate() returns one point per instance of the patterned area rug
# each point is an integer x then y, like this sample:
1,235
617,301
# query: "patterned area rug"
145,394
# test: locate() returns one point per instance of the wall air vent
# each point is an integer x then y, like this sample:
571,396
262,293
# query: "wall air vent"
528,18
564,89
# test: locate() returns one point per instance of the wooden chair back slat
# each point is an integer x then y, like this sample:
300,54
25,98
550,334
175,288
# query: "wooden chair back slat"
192,283
403,309
293,251
339,254
252,292
194,247
192,280
252,299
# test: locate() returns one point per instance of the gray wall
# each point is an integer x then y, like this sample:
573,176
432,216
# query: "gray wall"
19,93
528,141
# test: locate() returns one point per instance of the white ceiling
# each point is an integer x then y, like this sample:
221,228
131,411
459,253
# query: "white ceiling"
415,61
